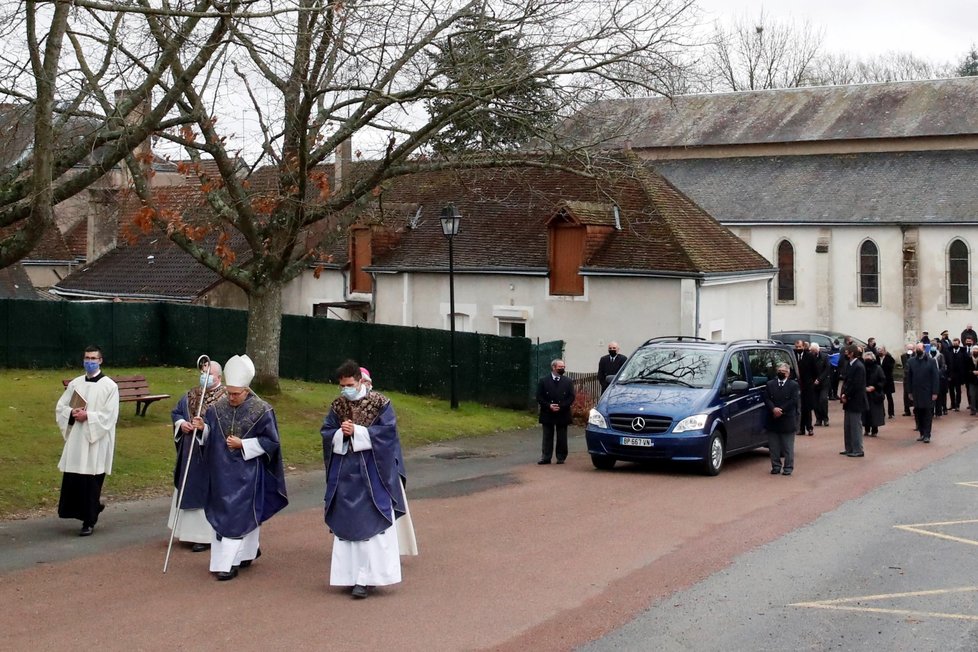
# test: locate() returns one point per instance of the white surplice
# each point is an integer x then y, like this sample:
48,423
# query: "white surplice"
231,552
89,445
193,526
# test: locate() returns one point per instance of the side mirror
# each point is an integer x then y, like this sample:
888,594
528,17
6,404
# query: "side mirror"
738,386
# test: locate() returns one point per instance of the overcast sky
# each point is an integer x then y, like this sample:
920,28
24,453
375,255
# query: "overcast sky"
936,30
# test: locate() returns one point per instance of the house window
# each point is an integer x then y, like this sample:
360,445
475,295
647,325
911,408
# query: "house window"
786,271
360,252
958,285
869,273
512,328
566,254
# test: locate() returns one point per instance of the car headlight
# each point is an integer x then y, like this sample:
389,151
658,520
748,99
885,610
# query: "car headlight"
595,418
695,422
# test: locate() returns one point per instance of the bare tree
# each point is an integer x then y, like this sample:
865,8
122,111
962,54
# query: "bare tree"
56,60
759,53
835,69
319,73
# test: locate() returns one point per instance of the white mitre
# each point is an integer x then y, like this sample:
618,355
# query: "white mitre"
239,371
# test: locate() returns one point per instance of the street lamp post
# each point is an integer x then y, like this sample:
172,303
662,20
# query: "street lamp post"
450,221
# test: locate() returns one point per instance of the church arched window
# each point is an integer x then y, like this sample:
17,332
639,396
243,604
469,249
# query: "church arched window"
786,271
958,276
869,273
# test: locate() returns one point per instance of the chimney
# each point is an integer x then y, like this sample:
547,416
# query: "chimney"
342,163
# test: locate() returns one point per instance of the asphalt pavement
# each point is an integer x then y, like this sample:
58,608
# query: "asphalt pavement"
895,569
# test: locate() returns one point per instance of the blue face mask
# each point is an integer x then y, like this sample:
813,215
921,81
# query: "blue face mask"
91,367
207,380
350,393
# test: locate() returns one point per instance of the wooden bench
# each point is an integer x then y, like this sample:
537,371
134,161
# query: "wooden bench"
133,389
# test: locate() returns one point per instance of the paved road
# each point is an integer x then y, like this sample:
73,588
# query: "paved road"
515,556
893,570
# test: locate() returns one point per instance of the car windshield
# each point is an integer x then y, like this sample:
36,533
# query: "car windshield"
657,365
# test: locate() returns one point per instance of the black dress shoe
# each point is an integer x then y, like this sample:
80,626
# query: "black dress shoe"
775,471
811,433
200,547
856,454
560,461
544,462
224,576
86,531
359,591
247,562
926,440
921,438
843,452
786,472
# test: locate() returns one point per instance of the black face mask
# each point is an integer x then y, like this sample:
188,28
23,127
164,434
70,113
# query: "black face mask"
919,354
782,375
612,352
560,372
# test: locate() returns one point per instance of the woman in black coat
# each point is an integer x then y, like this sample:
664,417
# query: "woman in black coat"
875,416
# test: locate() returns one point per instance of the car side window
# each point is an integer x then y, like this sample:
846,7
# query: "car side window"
735,367
761,365
780,357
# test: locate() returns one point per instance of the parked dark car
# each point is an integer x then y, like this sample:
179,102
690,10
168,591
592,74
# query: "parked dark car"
826,340
685,399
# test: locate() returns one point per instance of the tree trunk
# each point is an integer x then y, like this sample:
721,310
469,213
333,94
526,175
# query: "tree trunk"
264,337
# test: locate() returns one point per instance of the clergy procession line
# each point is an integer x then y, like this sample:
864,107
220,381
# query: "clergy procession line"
229,477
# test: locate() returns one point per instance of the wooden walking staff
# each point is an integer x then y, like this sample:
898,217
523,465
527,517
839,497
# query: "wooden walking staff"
203,363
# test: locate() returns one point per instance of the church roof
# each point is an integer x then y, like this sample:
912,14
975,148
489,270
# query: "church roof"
935,187
939,107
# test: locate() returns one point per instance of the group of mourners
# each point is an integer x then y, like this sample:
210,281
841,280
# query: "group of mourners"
933,371
229,476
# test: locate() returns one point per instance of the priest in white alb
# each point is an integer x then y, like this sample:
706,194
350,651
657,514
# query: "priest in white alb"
87,413
364,486
246,478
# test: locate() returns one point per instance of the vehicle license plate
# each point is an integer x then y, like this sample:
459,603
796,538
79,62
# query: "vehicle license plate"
635,441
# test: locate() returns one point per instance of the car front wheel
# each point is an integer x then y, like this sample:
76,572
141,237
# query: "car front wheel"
714,458
603,462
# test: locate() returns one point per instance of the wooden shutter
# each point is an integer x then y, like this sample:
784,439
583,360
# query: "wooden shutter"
360,252
566,255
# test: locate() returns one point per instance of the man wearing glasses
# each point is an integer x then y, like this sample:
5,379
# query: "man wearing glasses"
87,413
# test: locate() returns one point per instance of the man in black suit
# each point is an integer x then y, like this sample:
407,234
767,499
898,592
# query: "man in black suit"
609,364
782,397
806,383
854,402
922,377
957,359
555,395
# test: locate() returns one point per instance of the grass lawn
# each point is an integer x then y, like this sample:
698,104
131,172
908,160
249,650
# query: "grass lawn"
30,444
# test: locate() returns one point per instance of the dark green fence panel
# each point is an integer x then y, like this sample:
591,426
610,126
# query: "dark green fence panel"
138,330
192,331
491,369
35,335
293,357
90,323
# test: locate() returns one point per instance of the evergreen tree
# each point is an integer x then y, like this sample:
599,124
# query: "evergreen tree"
969,67
481,62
